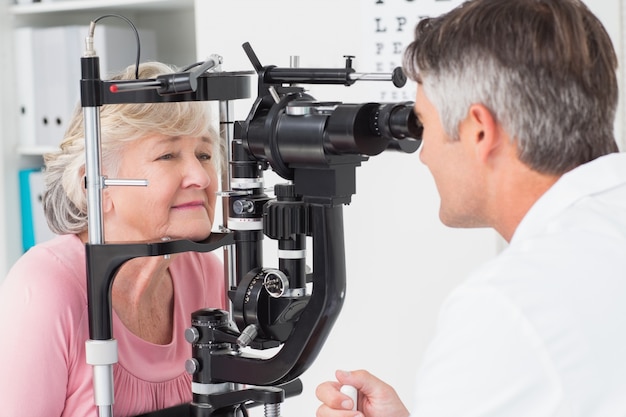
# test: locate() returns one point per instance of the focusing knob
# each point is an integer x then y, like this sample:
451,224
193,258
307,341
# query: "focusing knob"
247,335
192,366
192,335
286,216
285,192
276,283
398,77
243,206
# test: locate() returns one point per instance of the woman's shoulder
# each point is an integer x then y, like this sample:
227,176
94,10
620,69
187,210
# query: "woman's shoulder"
63,250
55,266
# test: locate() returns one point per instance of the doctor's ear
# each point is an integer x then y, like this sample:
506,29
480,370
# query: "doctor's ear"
482,129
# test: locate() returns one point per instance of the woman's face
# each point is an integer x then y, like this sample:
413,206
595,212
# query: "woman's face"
179,200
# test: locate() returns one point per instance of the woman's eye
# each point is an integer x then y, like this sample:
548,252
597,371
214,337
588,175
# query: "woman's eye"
204,157
166,157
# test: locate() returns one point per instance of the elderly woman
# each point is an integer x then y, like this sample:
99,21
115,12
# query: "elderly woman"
43,301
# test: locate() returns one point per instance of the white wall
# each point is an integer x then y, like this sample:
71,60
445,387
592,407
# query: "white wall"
612,13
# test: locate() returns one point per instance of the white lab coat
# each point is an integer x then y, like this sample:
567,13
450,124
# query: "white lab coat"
541,329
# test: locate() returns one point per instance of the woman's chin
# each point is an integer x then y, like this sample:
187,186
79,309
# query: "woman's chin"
196,235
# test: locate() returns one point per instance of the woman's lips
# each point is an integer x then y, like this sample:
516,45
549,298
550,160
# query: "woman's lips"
190,205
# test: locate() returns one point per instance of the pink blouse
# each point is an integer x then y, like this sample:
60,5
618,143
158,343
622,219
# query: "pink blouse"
44,326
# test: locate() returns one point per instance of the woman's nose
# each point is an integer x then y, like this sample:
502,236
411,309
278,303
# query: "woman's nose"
197,173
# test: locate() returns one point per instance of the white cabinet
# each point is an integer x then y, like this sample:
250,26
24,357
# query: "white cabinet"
171,21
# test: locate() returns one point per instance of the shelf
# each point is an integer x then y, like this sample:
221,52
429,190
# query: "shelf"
48,7
171,21
35,150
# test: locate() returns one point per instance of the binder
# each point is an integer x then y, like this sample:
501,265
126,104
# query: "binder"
40,60
48,73
52,84
25,65
34,225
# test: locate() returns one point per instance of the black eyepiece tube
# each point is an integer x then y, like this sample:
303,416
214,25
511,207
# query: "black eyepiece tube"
353,129
399,122
371,128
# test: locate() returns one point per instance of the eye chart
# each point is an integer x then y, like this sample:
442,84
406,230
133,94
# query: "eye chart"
388,27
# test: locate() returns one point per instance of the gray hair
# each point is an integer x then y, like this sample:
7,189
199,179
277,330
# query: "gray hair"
65,201
546,69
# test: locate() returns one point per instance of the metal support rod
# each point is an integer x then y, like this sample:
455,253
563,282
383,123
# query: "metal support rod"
107,349
124,182
364,76
93,175
226,118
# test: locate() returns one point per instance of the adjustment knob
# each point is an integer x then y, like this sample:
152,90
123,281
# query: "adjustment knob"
192,366
247,335
285,192
243,206
276,283
285,216
192,335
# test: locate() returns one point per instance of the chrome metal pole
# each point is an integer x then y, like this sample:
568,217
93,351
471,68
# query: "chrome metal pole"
101,354
94,184
226,117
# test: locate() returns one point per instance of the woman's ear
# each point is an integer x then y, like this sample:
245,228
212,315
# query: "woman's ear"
107,201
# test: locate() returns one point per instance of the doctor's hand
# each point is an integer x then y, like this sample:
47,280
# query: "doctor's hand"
375,398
